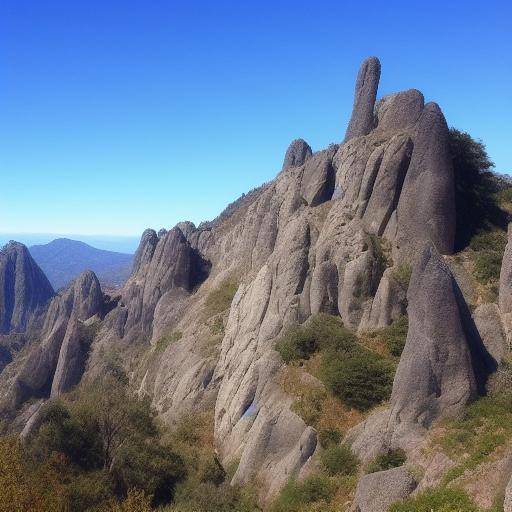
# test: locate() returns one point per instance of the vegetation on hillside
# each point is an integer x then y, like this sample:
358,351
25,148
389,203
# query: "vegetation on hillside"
359,377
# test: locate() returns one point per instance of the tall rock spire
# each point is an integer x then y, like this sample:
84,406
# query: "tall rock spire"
362,120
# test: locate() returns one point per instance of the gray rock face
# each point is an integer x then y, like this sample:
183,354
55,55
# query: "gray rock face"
145,250
488,324
426,209
297,153
82,300
377,491
389,304
507,504
362,120
398,111
318,178
505,293
388,184
435,375
24,289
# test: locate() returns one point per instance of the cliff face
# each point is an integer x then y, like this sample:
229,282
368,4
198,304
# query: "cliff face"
311,241
25,290
305,243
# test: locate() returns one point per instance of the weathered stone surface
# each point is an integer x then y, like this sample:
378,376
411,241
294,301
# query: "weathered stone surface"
82,300
145,250
389,304
388,184
398,111
24,289
377,491
435,375
297,153
505,293
488,324
362,120
324,289
507,504
426,209
318,178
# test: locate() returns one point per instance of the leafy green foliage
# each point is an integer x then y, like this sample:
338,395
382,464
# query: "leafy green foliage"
322,332
220,298
328,437
308,405
339,460
394,335
487,250
361,381
438,500
388,460
402,274
295,495
475,189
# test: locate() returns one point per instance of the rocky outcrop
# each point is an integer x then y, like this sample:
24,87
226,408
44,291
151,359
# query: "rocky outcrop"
60,346
435,376
399,111
505,292
426,208
161,266
318,178
24,289
362,120
377,491
145,251
297,153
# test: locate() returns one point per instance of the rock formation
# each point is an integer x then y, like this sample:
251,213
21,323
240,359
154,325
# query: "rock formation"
362,120
297,153
24,289
377,491
329,234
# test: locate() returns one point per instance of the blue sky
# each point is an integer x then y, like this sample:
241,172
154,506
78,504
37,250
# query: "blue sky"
120,115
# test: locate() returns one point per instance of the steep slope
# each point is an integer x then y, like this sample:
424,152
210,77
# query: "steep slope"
62,260
197,321
25,290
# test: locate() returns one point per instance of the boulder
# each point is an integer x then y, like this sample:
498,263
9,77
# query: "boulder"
399,111
426,209
297,153
317,184
362,120
435,375
488,324
377,491
24,289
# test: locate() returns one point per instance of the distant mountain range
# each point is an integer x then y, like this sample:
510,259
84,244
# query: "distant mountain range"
63,259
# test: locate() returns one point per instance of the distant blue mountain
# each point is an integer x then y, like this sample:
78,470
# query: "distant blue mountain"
63,259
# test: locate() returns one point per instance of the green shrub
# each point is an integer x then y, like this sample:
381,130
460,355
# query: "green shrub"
321,332
339,460
220,298
295,495
147,466
391,459
402,274
309,405
329,436
361,381
440,500
213,472
395,335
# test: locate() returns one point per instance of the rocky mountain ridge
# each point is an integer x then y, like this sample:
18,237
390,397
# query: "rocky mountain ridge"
329,235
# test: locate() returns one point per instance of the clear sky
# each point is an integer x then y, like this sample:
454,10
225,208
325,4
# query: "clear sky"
120,115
